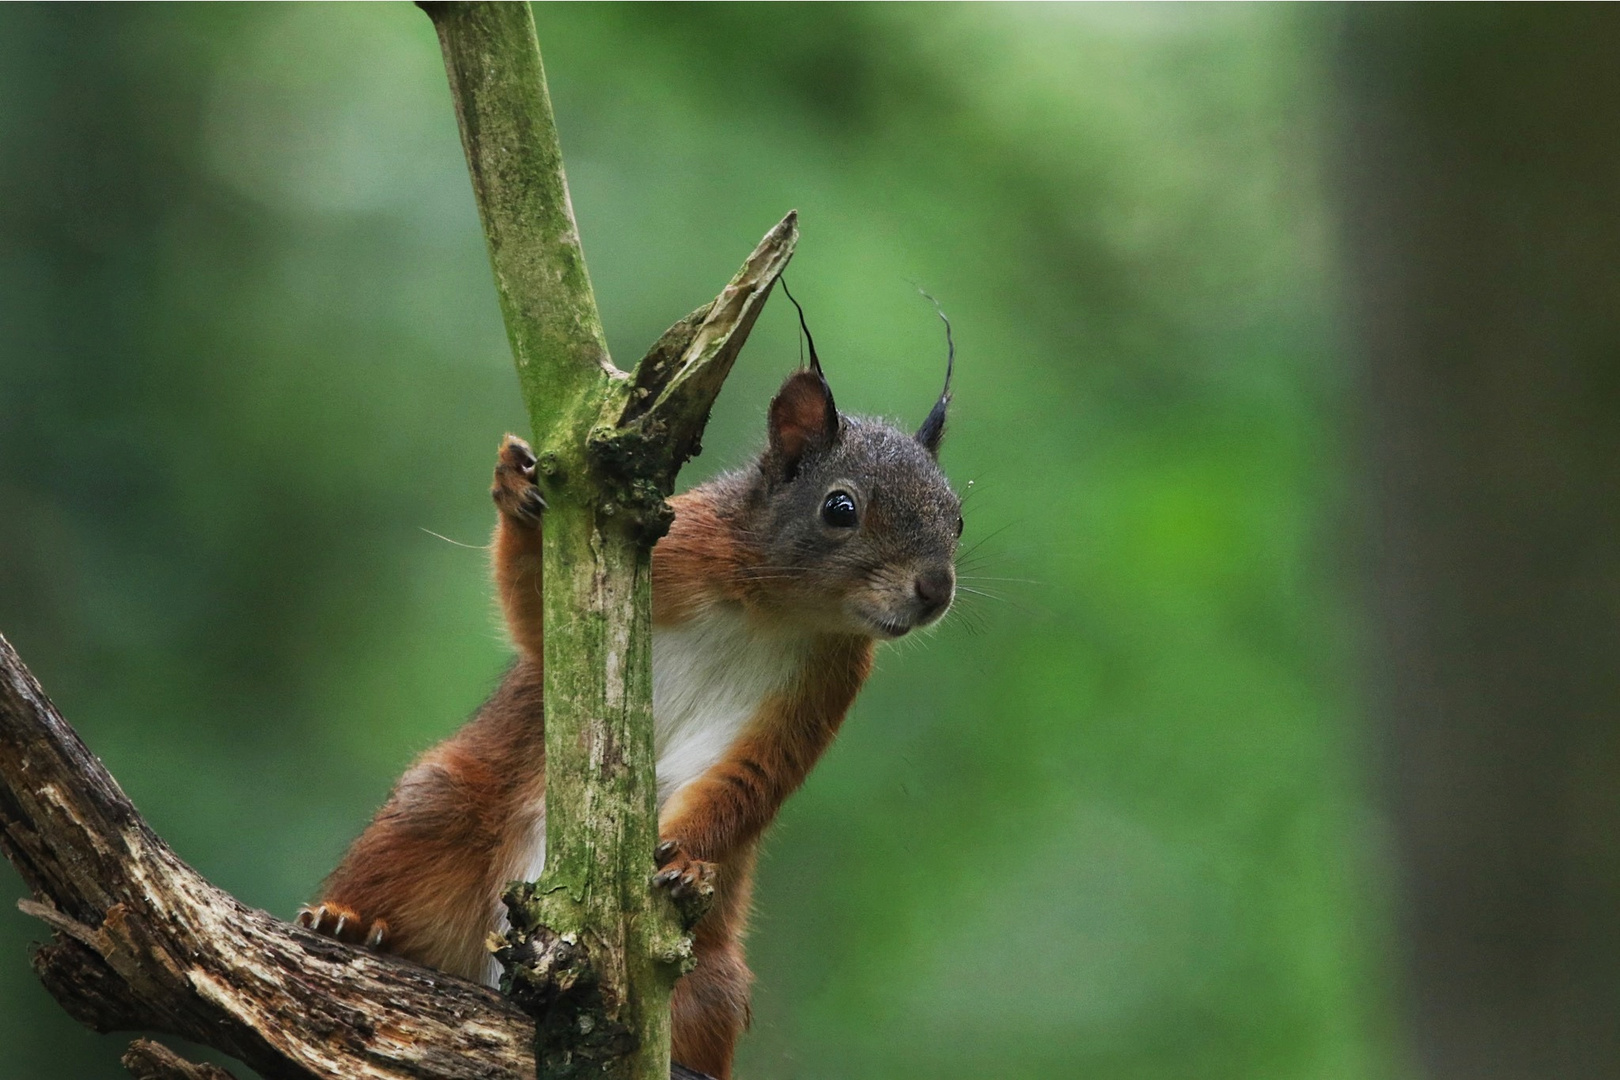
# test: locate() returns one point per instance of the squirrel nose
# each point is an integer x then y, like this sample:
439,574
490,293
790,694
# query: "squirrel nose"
934,590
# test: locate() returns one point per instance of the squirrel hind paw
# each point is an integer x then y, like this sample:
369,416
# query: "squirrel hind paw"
343,924
514,489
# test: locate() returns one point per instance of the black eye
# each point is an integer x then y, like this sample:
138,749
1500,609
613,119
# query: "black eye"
958,524
838,510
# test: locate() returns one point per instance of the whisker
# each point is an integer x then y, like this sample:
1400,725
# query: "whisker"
977,544
1027,609
968,617
457,543
981,592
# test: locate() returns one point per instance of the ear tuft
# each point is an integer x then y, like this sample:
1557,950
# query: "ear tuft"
932,431
933,428
802,418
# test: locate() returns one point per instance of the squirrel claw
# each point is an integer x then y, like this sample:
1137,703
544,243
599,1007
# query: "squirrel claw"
689,881
514,489
310,917
343,924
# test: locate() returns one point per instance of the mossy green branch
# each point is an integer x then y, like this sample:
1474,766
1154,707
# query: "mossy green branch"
595,951
499,87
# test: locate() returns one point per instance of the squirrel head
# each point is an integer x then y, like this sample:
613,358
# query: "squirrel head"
852,522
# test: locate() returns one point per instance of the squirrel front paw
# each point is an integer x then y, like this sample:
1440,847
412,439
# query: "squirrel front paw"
514,489
689,881
343,923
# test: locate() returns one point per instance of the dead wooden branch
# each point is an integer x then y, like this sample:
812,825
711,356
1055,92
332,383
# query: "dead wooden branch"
148,1060
143,941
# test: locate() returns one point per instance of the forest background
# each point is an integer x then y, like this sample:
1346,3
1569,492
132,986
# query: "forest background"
1112,819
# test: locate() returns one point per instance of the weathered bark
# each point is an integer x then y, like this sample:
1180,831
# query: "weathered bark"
148,1060
1481,152
608,445
144,942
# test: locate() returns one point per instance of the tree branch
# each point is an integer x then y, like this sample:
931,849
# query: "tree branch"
592,946
148,1060
515,160
143,941
660,424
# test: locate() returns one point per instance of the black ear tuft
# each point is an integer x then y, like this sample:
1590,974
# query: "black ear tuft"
802,418
932,431
933,428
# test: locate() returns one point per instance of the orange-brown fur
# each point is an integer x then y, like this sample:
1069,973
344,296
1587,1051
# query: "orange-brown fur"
431,866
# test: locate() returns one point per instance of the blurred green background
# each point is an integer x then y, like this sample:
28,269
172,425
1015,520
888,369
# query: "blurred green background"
1107,821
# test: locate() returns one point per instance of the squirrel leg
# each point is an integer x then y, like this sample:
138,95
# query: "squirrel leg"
344,923
517,550
709,1009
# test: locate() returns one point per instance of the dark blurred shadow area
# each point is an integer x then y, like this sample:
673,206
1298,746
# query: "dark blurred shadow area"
1273,733
1481,190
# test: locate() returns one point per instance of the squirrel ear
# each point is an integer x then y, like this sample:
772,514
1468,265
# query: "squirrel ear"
802,417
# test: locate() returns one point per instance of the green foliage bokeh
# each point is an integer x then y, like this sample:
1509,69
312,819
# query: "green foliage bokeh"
1105,822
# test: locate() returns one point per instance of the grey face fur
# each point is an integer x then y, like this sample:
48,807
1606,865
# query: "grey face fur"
854,521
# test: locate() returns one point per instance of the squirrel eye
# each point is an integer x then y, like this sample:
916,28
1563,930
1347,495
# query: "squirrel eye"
838,510
958,524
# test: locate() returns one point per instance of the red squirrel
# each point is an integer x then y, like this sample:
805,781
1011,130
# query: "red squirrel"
769,593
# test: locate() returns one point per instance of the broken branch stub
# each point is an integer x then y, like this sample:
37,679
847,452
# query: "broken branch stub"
640,447
148,1060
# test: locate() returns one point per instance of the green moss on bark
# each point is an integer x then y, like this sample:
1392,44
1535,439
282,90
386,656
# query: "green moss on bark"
594,950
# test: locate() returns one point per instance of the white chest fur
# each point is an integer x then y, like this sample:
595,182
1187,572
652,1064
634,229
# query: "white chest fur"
711,674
